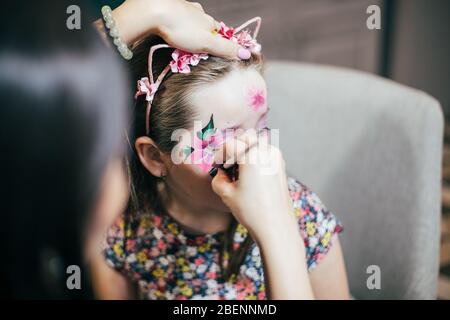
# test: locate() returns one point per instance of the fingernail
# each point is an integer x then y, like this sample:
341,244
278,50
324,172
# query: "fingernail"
244,54
213,172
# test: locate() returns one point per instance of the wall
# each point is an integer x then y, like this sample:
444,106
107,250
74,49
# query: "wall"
420,47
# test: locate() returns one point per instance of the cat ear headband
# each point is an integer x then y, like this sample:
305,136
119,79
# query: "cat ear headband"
182,60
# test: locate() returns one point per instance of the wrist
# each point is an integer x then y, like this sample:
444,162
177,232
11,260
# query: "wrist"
137,19
155,13
278,245
274,233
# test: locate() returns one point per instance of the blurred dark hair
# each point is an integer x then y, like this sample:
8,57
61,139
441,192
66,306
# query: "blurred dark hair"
62,118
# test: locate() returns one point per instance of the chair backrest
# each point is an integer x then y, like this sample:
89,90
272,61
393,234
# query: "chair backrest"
371,149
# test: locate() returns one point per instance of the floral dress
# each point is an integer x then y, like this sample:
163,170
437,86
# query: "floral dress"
169,263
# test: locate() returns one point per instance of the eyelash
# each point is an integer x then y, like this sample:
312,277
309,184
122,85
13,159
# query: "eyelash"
263,129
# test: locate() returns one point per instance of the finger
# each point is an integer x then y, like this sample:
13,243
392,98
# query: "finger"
224,48
198,6
246,141
222,185
233,149
258,149
229,152
213,24
216,26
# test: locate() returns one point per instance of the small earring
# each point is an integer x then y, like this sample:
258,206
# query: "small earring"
162,176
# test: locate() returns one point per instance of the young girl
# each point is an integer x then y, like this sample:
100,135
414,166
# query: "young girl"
193,231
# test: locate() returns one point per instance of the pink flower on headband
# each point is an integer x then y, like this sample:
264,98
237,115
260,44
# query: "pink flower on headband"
182,60
225,31
145,88
245,39
242,38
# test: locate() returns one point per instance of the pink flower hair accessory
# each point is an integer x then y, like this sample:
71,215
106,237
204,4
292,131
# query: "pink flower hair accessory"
225,31
241,36
146,88
182,60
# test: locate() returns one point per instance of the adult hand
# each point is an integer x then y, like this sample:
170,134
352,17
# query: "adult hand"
260,201
182,24
260,197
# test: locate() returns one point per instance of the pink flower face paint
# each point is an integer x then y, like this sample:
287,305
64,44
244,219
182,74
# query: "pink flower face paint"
256,98
205,143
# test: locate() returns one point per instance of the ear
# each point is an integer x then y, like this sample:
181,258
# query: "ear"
151,157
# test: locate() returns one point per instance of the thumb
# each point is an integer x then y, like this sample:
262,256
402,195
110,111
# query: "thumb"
224,48
222,185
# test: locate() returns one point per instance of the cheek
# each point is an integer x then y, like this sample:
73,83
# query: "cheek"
256,99
191,179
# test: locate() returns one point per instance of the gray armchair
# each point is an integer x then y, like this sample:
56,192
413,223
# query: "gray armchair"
371,149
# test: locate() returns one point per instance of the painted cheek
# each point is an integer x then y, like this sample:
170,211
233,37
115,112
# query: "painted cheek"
257,99
205,143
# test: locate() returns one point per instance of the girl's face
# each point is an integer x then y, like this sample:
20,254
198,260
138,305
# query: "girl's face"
236,103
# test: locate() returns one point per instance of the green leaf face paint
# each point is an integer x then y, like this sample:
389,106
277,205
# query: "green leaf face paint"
206,142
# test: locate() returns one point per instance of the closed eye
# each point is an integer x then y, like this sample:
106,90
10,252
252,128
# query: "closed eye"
262,121
233,128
